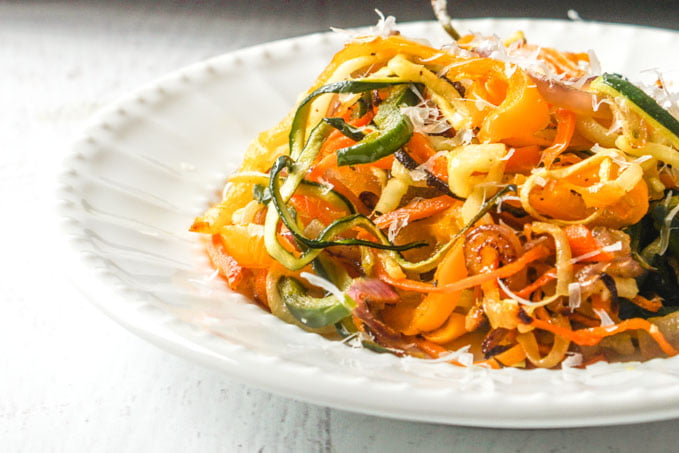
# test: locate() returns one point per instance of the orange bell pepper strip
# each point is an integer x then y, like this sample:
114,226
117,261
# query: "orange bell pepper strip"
522,112
453,328
227,266
523,159
245,244
436,308
510,357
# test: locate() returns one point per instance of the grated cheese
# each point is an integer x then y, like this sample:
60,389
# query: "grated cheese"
521,300
616,247
462,356
667,227
426,118
573,359
606,320
574,295
574,15
327,285
396,227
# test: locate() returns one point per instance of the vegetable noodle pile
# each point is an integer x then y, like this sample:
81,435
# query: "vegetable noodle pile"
491,202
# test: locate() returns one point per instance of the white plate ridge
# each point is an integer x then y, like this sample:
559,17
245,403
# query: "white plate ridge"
149,163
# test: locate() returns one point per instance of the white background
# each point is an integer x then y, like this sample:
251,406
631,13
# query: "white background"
73,380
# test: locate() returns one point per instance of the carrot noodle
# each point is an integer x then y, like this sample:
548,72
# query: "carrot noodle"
475,280
478,205
593,335
538,283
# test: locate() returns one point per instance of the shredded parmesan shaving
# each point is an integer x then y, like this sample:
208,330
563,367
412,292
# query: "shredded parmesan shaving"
385,27
572,360
606,320
526,302
667,228
594,63
463,137
455,50
396,227
461,356
616,247
426,118
574,15
574,295
661,89
509,154
327,285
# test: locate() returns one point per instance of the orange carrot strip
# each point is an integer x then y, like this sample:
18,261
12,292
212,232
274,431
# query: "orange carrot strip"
335,142
419,148
539,283
346,111
432,349
584,320
415,210
582,242
564,133
384,163
259,286
593,335
340,187
318,170
503,272
421,151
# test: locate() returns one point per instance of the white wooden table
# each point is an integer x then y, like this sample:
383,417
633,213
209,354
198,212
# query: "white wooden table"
73,380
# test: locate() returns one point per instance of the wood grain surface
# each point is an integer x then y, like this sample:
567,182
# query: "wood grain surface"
73,380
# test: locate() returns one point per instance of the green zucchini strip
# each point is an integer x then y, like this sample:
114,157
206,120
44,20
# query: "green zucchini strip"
298,126
336,227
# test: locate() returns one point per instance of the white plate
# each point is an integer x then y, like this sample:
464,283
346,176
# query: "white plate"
151,162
